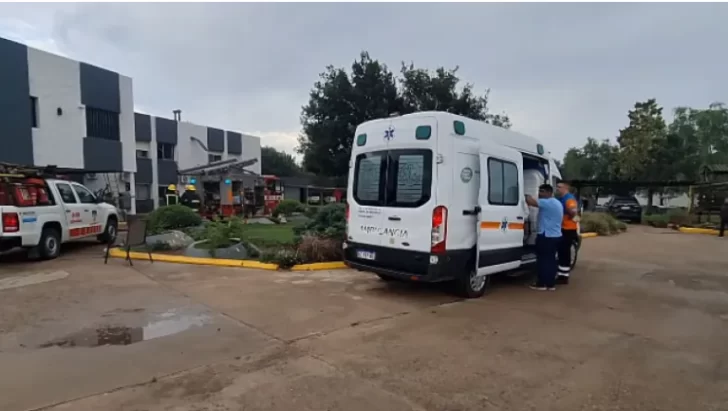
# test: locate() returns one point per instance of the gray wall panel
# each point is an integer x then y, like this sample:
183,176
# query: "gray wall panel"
102,155
142,127
215,139
167,172
16,135
166,130
144,171
234,143
100,88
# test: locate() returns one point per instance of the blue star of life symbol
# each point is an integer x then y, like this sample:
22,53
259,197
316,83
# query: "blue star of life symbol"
504,224
389,133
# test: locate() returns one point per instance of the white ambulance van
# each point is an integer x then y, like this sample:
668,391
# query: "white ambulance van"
436,197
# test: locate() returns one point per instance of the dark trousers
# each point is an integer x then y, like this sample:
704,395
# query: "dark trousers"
567,239
546,260
723,225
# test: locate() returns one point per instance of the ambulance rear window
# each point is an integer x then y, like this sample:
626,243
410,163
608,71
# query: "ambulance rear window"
393,178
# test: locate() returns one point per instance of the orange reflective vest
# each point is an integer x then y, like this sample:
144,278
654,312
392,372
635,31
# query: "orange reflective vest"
569,203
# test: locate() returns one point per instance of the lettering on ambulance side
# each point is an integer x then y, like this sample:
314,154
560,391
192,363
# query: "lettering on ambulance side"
391,232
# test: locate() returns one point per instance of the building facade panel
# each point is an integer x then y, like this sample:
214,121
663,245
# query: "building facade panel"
142,127
100,88
61,121
215,140
16,137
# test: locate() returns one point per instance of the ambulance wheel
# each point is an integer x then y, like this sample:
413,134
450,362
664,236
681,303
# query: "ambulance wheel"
49,246
472,286
110,232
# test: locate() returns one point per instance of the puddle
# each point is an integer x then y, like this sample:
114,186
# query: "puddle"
121,335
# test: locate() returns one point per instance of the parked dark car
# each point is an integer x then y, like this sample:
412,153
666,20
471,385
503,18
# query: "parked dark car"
624,208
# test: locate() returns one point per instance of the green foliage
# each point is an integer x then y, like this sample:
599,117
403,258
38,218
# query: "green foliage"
288,207
601,223
340,101
278,163
219,233
269,235
678,216
172,217
656,220
329,222
284,257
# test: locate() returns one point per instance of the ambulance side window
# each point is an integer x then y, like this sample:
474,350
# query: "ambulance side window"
503,186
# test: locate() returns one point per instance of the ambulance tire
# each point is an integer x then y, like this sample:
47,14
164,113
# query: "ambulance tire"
49,246
110,232
470,286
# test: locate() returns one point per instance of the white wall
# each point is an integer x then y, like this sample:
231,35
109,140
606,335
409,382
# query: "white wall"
251,149
126,125
56,82
189,153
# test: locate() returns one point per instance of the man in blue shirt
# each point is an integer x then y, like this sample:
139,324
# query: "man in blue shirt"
550,216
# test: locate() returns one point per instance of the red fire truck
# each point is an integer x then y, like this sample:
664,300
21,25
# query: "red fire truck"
273,192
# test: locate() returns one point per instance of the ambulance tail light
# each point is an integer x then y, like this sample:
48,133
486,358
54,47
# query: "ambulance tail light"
439,229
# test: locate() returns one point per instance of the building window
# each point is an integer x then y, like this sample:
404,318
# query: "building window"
102,124
34,111
143,192
502,183
165,151
142,154
211,158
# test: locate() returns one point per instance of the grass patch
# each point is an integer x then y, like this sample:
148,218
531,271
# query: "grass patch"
269,235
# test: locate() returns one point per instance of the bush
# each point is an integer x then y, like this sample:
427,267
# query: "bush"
172,217
314,249
284,257
601,223
288,207
678,216
329,221
657,220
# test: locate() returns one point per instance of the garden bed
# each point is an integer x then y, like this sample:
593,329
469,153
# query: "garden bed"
311,239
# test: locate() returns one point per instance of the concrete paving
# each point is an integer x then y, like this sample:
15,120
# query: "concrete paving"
642,326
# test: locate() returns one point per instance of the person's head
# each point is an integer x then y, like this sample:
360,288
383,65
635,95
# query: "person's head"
545,191
562,188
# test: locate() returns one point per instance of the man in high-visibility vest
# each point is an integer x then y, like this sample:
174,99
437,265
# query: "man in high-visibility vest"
569,230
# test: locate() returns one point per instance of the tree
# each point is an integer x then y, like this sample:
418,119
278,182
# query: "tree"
340,101
643,145
422,91
700,136
278,163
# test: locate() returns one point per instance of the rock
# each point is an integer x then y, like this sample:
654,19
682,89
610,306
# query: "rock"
174,240
234,252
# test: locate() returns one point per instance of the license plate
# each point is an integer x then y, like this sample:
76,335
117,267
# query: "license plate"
626,208
366,255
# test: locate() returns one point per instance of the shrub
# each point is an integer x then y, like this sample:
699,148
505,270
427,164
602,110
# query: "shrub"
315,249
219,233
311,211
657,220
172,217
678,216
329,221
284,257
601,223
288,207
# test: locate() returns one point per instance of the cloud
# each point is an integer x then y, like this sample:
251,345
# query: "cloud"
563,72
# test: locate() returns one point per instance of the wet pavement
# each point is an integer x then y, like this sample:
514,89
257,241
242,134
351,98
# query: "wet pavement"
642,326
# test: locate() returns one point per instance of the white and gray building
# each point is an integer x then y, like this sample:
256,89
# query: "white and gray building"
57,111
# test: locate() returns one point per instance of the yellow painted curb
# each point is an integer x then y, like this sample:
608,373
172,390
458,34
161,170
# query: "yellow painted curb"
589,235
181,259
334,265
693,230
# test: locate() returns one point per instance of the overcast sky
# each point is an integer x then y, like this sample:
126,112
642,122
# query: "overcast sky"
562,72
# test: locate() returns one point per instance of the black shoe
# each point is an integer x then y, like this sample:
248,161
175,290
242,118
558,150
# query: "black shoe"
562,280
